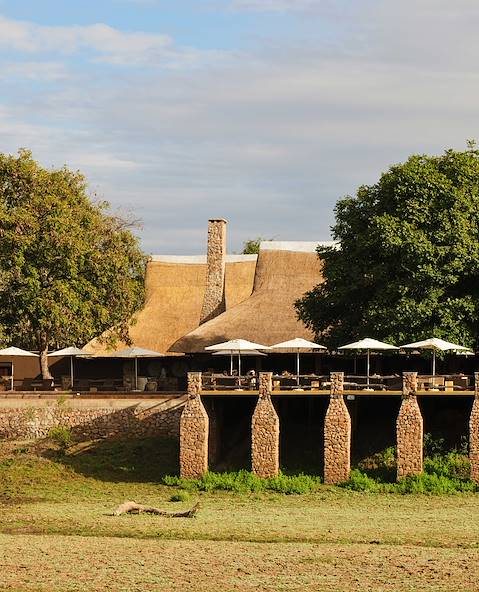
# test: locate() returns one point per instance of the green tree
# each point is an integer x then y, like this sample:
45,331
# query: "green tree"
406,266
69,269
251,246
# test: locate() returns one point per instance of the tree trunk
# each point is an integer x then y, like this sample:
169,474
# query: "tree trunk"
45,370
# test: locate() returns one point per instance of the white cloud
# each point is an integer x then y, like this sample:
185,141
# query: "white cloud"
268,137
107,43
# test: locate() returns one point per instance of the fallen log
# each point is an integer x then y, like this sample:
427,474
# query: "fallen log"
134,508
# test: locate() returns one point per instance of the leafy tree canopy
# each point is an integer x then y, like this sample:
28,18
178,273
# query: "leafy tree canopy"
407,263
69,269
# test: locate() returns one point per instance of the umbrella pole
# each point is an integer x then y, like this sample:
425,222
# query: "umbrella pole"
297,367
71,372
239,368
11,379
367,369
136,374
434,362
231,364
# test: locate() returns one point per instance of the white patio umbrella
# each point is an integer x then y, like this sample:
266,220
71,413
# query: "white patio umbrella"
252,352
435,345
133,353
15,352
71,352
297,345
236,347
369,345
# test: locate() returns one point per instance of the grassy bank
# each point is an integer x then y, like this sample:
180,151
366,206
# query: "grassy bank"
57,532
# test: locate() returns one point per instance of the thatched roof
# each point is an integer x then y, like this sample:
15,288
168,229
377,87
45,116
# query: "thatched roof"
175,287
268,316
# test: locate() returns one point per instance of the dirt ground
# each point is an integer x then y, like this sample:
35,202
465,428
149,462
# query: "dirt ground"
50,563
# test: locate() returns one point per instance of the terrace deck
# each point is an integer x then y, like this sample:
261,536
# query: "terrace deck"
137,395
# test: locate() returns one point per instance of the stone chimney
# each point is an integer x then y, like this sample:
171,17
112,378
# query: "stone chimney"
214,299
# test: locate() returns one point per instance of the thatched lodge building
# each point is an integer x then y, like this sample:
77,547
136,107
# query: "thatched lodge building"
193,302
196,301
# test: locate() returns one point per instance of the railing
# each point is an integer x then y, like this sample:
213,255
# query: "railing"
313,382
444,383
90,385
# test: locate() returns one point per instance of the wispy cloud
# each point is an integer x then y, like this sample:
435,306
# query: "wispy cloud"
277,5
105,43
44,71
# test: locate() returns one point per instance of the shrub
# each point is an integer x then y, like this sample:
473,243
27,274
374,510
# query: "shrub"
445,471
61,435
181,496
452,464
381,466
433,484
246,482
293,484
359,481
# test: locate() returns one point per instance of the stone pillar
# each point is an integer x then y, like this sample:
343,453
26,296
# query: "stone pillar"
474,432
214,298
265,431
194,428
409,430
337,434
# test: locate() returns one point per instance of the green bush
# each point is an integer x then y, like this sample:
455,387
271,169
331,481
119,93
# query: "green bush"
433,484
181,496
359,481
445,471
433,446
246,482
61,435
381,466
452,465
293,484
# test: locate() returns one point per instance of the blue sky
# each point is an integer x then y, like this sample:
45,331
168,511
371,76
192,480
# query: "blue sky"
264,112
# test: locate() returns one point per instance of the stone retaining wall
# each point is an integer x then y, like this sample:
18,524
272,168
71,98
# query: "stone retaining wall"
25,419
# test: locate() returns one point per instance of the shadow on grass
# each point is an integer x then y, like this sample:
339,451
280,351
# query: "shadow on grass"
120,460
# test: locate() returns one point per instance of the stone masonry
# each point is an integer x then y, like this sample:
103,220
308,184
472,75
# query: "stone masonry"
265,431
337,434
474,432
409,430
194,429
30,419
214,298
